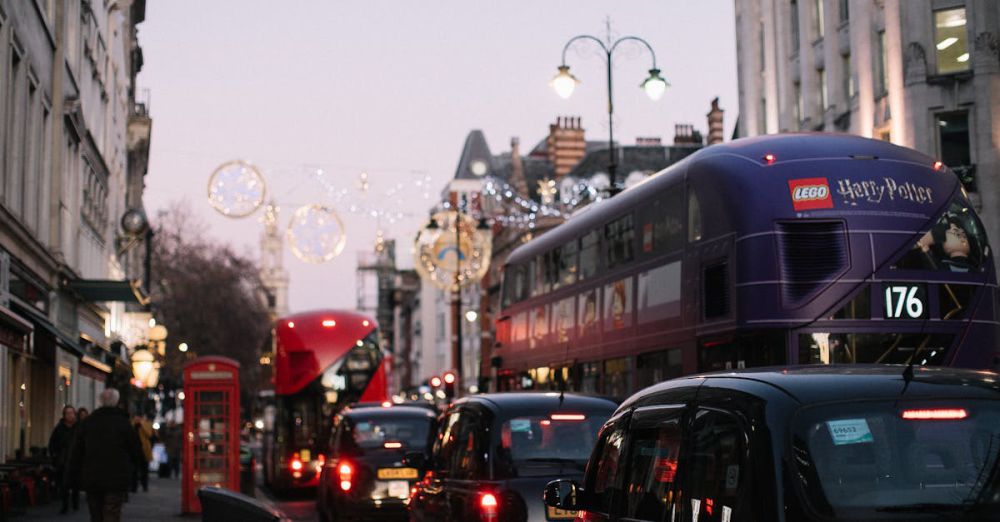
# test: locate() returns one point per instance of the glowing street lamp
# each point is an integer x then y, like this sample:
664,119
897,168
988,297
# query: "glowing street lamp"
144,368
564,84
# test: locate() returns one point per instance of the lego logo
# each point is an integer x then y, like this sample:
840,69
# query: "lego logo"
810,192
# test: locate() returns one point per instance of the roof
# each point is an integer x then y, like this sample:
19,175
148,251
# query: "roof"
631,158
475,149
846,382
519,401
392,411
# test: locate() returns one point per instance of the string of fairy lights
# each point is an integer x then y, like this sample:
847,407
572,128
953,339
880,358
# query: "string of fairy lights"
316,233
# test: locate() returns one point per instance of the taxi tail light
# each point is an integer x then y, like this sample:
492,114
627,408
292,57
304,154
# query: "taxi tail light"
295,464
320,461
393,445
935,414
345,472
488,505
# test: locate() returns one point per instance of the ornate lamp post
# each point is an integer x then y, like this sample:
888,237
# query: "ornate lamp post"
453,251
564,84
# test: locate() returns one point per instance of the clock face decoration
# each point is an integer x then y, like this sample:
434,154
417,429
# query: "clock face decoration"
446,256
236,189
479,167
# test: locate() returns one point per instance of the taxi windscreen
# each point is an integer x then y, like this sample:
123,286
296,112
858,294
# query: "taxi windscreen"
540,445
391,433
899,456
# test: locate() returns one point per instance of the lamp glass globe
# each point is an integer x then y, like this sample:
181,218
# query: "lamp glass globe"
564,83
655,85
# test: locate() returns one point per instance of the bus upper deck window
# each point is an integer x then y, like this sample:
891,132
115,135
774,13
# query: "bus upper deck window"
694,216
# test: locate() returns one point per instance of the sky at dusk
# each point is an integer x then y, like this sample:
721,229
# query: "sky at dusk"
393,88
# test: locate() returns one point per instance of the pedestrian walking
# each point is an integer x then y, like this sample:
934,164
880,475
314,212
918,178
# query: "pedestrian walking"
145,432
104,457
60,443
172,445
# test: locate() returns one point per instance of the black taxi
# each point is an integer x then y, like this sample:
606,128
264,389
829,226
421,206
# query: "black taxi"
801,443
494,454
365,477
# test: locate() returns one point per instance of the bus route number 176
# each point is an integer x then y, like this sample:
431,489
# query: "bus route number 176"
904,302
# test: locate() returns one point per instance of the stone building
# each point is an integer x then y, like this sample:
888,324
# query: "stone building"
924,74
73,153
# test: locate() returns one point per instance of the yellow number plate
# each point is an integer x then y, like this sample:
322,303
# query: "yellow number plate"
560,514
397,473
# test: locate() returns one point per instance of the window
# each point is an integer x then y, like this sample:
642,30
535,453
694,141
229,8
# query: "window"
444,445
847,79
793,13
662,223
468,462
605,484
565,264
655,457
718,469
619,236
877,348
951,41
590,246
953,139
15,131
824,101
761,45
818,23
694,216
656,367
750,350
715,290
881,61
844,10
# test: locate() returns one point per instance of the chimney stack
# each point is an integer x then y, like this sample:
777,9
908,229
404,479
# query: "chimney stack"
566,145
517,179
684,134
715,123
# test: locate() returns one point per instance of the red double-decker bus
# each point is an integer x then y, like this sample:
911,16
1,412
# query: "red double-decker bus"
324,360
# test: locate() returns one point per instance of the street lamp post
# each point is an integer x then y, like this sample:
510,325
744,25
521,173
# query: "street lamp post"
564,83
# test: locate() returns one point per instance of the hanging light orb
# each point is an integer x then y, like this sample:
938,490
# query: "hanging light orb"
236,189
564,83
655,85
316,234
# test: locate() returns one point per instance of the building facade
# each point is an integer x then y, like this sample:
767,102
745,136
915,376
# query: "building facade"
73,153
923,74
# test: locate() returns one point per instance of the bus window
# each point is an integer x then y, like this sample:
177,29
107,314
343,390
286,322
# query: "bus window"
746,351
694,216
565,257
590,253
878,348
656,367
619,241
956,243
662,223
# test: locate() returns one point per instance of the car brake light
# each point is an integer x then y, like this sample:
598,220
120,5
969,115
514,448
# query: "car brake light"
295,464
320,461
488,506
345,471
393,445
329,323
568,417
936,414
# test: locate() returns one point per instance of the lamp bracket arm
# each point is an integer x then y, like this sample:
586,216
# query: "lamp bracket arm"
586,37
633,39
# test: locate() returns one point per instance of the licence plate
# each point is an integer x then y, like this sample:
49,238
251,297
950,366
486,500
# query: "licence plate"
397,473
559,514
399,488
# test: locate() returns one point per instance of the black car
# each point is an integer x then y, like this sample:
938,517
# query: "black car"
801,443
495,453
365,477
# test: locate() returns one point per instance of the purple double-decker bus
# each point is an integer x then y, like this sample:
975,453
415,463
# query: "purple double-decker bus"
787,249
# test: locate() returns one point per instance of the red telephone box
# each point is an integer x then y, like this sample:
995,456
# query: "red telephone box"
211,428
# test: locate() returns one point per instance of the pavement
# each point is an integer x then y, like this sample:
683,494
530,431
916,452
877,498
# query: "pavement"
161,503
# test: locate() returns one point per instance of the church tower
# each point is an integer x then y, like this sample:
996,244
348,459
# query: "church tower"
272,270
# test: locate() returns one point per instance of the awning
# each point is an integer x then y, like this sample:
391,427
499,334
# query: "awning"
110,290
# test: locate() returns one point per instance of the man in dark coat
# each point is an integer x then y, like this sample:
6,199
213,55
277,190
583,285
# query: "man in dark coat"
59,445
104,457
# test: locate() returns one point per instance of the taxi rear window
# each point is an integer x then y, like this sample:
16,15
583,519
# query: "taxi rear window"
898,456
